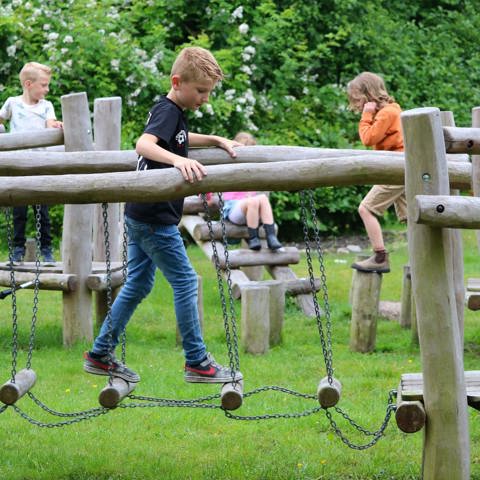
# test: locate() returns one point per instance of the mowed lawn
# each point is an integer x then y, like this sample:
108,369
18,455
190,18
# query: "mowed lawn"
202,443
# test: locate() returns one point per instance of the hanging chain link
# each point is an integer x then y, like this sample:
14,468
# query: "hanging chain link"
228,322
8,221
36,288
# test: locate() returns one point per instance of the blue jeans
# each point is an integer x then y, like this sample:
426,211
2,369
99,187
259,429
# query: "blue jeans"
151,246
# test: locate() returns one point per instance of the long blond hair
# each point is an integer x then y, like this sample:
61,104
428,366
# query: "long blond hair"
367,87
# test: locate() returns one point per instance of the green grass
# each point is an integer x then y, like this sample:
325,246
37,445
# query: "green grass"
180,443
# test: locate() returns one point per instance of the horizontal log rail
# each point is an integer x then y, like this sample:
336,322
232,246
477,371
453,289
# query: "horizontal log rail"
446,211
165,184
47,281
462,140
40,162
34,139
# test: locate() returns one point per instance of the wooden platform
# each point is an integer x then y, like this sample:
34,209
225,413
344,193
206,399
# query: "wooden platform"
411,386
472,294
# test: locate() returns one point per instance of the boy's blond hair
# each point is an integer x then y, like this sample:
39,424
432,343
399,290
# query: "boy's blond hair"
245,138
32,70
196,63
368,87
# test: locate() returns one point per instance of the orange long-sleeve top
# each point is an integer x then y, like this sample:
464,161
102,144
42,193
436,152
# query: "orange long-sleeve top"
382,130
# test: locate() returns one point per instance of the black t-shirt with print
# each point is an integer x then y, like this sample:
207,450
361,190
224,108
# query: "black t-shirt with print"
167,122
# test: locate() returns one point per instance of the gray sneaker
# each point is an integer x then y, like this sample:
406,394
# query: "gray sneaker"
107,365
371,266
209,371
17,256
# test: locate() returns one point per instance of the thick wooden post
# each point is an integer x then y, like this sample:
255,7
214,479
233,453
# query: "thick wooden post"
107,119
255,319
406,300
476,164
77,227
365,300
446,452
457,242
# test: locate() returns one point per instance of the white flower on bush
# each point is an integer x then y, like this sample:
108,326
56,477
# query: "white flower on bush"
52,36
11,50
209,109
198,114
250,49
239,108
16,3
68,39
64,51
237,13
229,94
115,63
46,26
306,90
68,64
243,28
2,87
246,69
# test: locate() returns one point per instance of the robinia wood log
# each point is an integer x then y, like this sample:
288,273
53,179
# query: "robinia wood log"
476,165
462,140
247,258
231,395
39,138
10,392
48,281
115,391
446,452
166,184
328,394
447,211
255,322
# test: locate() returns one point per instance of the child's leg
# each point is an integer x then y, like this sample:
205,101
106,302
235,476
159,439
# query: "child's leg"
266,214
19,222
373,228
45,236
167,250
140,279
251,209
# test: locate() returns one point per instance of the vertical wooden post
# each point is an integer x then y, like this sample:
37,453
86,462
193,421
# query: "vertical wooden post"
446,452
107,119
476,164
406,300
77,227
365,300
255,319
457,244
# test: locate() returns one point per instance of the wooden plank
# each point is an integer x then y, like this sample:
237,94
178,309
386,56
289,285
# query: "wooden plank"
97,267
473,300
48,281
244,257
473,284
38,138
462,139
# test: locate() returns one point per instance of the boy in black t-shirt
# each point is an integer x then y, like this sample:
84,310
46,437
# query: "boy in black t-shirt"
154,238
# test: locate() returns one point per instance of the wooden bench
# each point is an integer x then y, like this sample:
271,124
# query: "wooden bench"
410,414
472,294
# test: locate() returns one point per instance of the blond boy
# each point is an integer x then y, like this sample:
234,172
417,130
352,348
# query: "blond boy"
154,238
28,112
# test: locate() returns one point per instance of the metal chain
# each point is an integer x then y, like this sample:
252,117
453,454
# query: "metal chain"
325,342
89,416
8,220
36,288
233,356
124,275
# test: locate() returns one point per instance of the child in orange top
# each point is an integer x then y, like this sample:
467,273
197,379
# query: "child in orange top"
379,128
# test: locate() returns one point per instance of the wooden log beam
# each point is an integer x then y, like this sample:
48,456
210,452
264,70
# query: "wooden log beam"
248,258
114,392
48,281
165,184
462,140
38,138
447,211
328,394
10,392
231,395
98,281
44,162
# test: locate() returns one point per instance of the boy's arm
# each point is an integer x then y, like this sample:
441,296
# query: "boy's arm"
191,169
199,140
373,128
52,123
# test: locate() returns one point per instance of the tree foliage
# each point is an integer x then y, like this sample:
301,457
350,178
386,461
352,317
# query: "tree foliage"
287,64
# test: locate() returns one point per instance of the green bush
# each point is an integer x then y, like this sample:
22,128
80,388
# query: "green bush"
286,62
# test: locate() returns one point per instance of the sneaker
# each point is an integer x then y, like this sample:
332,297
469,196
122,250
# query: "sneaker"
371,266
48,259
107,365
209,371
17,256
